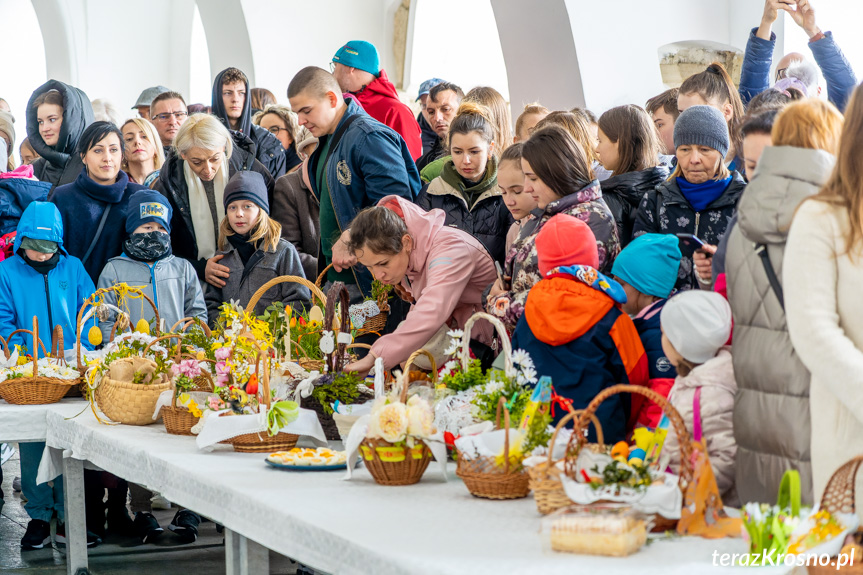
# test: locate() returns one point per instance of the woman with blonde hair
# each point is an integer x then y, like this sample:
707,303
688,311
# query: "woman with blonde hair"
822,272
578,126
467,189
281,122
194,179
143,156
254,252
771,409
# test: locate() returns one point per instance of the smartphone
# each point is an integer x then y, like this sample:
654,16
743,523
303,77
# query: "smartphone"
500,277
690,242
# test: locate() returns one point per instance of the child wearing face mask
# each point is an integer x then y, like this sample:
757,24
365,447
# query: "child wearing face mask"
41,280
647,270
172,283
251,247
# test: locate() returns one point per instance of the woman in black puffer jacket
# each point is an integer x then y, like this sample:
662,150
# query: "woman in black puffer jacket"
629,148
467,189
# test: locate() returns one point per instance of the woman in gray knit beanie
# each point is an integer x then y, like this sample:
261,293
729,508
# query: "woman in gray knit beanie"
701,195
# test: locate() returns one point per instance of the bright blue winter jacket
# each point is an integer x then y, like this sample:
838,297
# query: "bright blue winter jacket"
755,75
54,298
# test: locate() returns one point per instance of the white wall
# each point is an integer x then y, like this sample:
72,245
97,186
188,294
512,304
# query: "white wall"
456,40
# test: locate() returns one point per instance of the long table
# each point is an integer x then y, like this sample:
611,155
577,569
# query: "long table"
339,526
26,423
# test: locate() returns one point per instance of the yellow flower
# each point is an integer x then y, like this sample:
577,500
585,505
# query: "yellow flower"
22,360
392,422
420,417
194,409
201,356
293,323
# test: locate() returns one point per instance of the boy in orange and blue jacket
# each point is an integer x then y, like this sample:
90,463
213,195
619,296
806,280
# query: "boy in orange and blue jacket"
574,329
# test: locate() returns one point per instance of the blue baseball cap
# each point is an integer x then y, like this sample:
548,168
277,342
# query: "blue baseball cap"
426,87
360,55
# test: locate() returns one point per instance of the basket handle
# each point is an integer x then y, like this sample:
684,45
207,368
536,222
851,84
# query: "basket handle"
319,282
840,492
407,370
263,380
501,331
566,419
338,291
206,375
166,337
256,297
91,301
36,343
5,347
501,405
57,337
680,430
190,321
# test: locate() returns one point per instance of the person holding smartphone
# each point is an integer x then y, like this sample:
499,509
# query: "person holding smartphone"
699,198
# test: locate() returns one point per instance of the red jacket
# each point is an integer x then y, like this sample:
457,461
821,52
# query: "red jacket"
381,101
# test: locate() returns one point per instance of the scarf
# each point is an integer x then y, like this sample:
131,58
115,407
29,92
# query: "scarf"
702,195
148,247
202,219
41,267
470,191
243,246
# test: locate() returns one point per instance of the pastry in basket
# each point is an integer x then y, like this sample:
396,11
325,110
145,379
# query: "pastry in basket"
308,457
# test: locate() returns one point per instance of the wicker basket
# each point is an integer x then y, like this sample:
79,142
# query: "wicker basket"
545,477
397,465
36,390
262,442
484,478
578,439
839,497
178,419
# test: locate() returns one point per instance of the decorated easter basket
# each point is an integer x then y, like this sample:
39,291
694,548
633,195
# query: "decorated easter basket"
366,323
203,382
578,440
545,477
840,497
484,478
37,389
262,442
177,418
304,362
391,464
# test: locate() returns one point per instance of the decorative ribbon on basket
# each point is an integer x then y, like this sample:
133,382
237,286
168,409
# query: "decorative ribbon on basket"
392,464
485,477
37,389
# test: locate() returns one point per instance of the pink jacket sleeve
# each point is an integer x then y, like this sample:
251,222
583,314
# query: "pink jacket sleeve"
449,268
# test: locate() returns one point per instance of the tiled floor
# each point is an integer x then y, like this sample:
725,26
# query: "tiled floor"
116,555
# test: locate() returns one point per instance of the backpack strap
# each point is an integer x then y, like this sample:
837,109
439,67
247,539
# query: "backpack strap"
761,250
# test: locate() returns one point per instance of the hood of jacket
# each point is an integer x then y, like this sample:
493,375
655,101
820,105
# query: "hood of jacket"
381,86
15,195
40,221
716,372
77,115
784,178
631,186
570,301
219,106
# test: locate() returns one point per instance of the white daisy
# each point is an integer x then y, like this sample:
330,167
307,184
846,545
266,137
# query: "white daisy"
455,333
522,358
529,374
453,347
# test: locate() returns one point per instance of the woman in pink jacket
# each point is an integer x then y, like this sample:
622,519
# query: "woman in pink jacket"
441,270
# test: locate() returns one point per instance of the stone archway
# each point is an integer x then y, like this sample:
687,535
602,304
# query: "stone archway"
55,23
227,36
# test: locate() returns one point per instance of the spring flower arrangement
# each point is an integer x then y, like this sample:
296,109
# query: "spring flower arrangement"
401,423
130,345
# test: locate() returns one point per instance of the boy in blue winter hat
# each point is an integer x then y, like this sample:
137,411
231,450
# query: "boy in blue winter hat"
647,270
172,283
41,279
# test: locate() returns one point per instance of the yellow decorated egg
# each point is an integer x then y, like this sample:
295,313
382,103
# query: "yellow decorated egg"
142,326
94,335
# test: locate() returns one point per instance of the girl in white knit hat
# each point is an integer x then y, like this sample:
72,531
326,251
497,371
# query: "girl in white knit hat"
696,326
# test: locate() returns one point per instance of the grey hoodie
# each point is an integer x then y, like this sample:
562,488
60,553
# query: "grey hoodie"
178,292
771,409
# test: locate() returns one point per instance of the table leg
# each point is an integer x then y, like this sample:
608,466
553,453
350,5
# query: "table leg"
76,523
244,556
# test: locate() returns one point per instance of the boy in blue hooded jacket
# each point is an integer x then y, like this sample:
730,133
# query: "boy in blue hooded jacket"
41,280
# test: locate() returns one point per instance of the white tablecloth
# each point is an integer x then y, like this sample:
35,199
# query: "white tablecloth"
356,526
25,423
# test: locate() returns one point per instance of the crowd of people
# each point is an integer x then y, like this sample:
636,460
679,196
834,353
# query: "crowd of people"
705,245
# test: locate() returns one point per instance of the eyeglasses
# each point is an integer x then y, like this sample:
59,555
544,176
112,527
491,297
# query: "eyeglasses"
274,130
167,116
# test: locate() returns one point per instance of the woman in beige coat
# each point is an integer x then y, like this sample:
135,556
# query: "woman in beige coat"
822,275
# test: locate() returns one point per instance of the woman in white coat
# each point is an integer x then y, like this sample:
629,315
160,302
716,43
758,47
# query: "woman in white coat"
822,274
